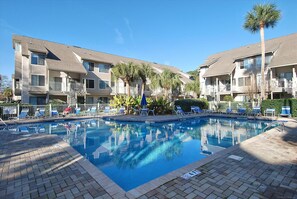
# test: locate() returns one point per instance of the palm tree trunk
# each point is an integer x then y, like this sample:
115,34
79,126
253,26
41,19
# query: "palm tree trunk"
128,89
166,93
142,87
263,85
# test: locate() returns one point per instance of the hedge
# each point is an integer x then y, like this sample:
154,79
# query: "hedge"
278,103
186,104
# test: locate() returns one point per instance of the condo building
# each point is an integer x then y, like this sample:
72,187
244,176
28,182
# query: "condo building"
47,70
237,72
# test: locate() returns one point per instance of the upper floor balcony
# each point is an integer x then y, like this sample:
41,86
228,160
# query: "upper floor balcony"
281,85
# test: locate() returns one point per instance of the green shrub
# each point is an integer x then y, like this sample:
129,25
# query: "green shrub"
186,104
228,98
161,106
277,105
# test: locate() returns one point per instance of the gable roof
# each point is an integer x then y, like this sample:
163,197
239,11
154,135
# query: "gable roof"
63,57
284,49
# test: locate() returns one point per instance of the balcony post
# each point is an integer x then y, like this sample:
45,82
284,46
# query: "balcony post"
271,92
231,85
217,89
294,82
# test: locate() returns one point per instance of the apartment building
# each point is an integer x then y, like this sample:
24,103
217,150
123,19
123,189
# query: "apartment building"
237,72
47,70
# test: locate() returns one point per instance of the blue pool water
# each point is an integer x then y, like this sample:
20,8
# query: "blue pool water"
132,154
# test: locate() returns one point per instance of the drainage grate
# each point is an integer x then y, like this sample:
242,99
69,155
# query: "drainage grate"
190,174
235,157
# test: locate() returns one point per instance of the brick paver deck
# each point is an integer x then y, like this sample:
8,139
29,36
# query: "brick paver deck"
43,166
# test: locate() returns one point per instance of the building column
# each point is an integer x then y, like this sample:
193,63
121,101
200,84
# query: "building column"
271,92
217,90
231,85
294,82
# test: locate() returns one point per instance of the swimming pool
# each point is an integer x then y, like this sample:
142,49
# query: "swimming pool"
132,154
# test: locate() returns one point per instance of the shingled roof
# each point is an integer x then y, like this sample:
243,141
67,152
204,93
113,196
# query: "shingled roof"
284,49
63,57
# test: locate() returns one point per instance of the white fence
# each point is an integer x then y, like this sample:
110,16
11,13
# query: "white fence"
13,111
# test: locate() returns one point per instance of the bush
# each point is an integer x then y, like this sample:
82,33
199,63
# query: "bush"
186,104
277,105
228,98
161,106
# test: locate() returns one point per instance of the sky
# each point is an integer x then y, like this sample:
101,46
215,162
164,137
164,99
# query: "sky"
173,32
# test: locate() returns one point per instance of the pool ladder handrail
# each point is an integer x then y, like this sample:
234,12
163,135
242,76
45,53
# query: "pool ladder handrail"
3,123
275,122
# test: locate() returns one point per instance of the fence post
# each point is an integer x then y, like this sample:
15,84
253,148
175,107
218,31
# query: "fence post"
18,110
229,104
98,109
253,104
76,106
50,110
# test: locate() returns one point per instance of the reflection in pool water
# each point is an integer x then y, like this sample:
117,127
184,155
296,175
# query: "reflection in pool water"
132,154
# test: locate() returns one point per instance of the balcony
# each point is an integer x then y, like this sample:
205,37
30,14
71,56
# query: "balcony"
281,85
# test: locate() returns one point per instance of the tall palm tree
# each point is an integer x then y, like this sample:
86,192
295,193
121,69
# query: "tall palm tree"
193,86
262,16
145,72
126,72
166,80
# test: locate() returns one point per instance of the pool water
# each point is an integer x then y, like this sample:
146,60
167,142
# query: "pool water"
132,154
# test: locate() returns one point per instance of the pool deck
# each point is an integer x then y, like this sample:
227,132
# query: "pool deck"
44,166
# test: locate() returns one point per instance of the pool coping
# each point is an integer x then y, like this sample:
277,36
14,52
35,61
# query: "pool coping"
117,192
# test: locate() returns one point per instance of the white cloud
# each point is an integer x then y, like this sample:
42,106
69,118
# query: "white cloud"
127,22
119,39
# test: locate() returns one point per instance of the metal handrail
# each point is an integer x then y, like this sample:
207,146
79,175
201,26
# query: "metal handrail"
3,122
275,122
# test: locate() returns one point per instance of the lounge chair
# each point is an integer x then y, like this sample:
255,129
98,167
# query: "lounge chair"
77,111
55,113
121,111
256,111
229,111
92,110
39,113
286,111
269,111
196,109
179,111
241,111
23,114
136,111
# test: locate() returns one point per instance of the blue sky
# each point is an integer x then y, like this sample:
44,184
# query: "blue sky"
173,32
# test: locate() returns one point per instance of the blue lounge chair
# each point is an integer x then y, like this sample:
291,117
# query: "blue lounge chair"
77,111
23,114
92,110
229,110
256,111
286,111
55,113
241,111
179,111
121,111
40,112
196,109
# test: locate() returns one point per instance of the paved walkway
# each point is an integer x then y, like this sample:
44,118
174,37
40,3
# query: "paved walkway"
43,166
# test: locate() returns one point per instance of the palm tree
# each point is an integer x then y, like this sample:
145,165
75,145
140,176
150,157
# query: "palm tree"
126,72
145,72
166,80
193,86
7,94
262,16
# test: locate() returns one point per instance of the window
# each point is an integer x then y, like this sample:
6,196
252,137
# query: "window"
267,59
103,68
90,83
240,81
244,81
258,61
234,82
241,65
246,63
37,100
89,66
90,100
103,84
37,80
37,58
57,84
286,75
17,84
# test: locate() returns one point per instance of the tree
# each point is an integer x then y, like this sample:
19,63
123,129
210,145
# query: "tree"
166,80
262,16
145,72
193,86
128,72
5,82
7,94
